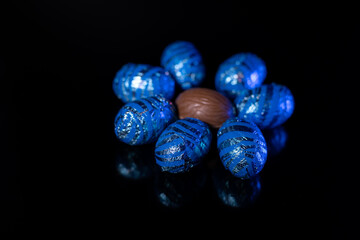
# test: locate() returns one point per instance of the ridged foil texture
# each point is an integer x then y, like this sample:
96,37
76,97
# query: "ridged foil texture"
185,64
136,81
242,148
142,121
267,106
206,105
182,145
241,71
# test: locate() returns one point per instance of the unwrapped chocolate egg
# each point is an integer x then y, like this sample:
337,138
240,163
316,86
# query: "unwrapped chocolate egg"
206,105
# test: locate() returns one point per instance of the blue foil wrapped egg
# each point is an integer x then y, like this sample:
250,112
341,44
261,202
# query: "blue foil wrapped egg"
182,145
242,148
241,71
185,64
267,106
136,81
142,121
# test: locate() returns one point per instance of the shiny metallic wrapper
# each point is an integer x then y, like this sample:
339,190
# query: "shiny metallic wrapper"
242,148
239,72
185,64
182,145
135,81
142,121
267,106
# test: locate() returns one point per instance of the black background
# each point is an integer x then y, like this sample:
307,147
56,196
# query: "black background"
58,62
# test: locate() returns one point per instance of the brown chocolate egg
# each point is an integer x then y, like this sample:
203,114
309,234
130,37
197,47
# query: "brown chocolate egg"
206,105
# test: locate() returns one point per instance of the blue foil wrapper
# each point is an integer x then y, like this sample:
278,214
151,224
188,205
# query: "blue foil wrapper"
267,106
142,121
242,148
182,145
185,64
136,81
241,71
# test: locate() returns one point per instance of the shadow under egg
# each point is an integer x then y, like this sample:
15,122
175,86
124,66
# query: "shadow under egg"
178,190
276,140
235,192
135,162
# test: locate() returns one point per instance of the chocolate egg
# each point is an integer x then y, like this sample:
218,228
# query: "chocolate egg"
142,121
242,147
267,106
182,145
206,105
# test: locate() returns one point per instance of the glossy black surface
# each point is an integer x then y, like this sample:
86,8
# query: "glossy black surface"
60,59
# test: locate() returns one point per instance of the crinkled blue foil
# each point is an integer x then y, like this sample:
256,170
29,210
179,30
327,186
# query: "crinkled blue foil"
242,147
241,71
267,106
142,121
182,145
185,64
136,81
